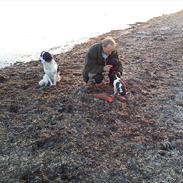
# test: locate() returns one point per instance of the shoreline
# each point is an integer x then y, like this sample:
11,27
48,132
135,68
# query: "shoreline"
13,58
69,45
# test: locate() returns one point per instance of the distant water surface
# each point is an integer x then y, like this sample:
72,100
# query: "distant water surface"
28,27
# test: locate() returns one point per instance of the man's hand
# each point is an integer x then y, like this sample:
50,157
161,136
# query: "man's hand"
107,68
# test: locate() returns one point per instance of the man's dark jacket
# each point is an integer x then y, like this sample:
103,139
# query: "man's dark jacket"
95,62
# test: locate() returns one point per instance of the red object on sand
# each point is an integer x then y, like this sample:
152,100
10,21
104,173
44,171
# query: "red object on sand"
105,97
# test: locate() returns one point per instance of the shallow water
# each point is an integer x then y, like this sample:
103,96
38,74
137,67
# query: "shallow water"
29,27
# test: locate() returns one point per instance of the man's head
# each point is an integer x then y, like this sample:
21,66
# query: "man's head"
108,45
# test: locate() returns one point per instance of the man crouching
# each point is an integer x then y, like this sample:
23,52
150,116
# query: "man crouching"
102,58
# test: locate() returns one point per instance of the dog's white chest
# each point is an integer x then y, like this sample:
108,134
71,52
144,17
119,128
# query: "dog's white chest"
50,68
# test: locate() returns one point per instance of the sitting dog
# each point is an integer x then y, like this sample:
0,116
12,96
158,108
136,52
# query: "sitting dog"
120,87
51,73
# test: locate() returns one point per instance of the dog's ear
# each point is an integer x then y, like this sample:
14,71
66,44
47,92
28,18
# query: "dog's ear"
47,56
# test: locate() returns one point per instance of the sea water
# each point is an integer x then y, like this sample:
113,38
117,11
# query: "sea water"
31,26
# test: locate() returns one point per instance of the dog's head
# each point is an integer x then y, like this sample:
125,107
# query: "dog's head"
45,57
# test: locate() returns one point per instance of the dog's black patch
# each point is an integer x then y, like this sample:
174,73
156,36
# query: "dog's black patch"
120,88
46,56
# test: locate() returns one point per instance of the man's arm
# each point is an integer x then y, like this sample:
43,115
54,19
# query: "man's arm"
91,62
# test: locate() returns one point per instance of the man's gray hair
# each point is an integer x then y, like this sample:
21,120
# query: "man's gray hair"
107,41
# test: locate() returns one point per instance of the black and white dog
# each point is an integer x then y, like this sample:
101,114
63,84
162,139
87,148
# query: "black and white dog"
51,73
120,87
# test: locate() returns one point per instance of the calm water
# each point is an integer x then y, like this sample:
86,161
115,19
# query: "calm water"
29,27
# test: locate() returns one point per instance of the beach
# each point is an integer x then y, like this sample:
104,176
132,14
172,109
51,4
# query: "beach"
65,134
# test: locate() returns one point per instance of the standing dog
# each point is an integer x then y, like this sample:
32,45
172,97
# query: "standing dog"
120,87
51,73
